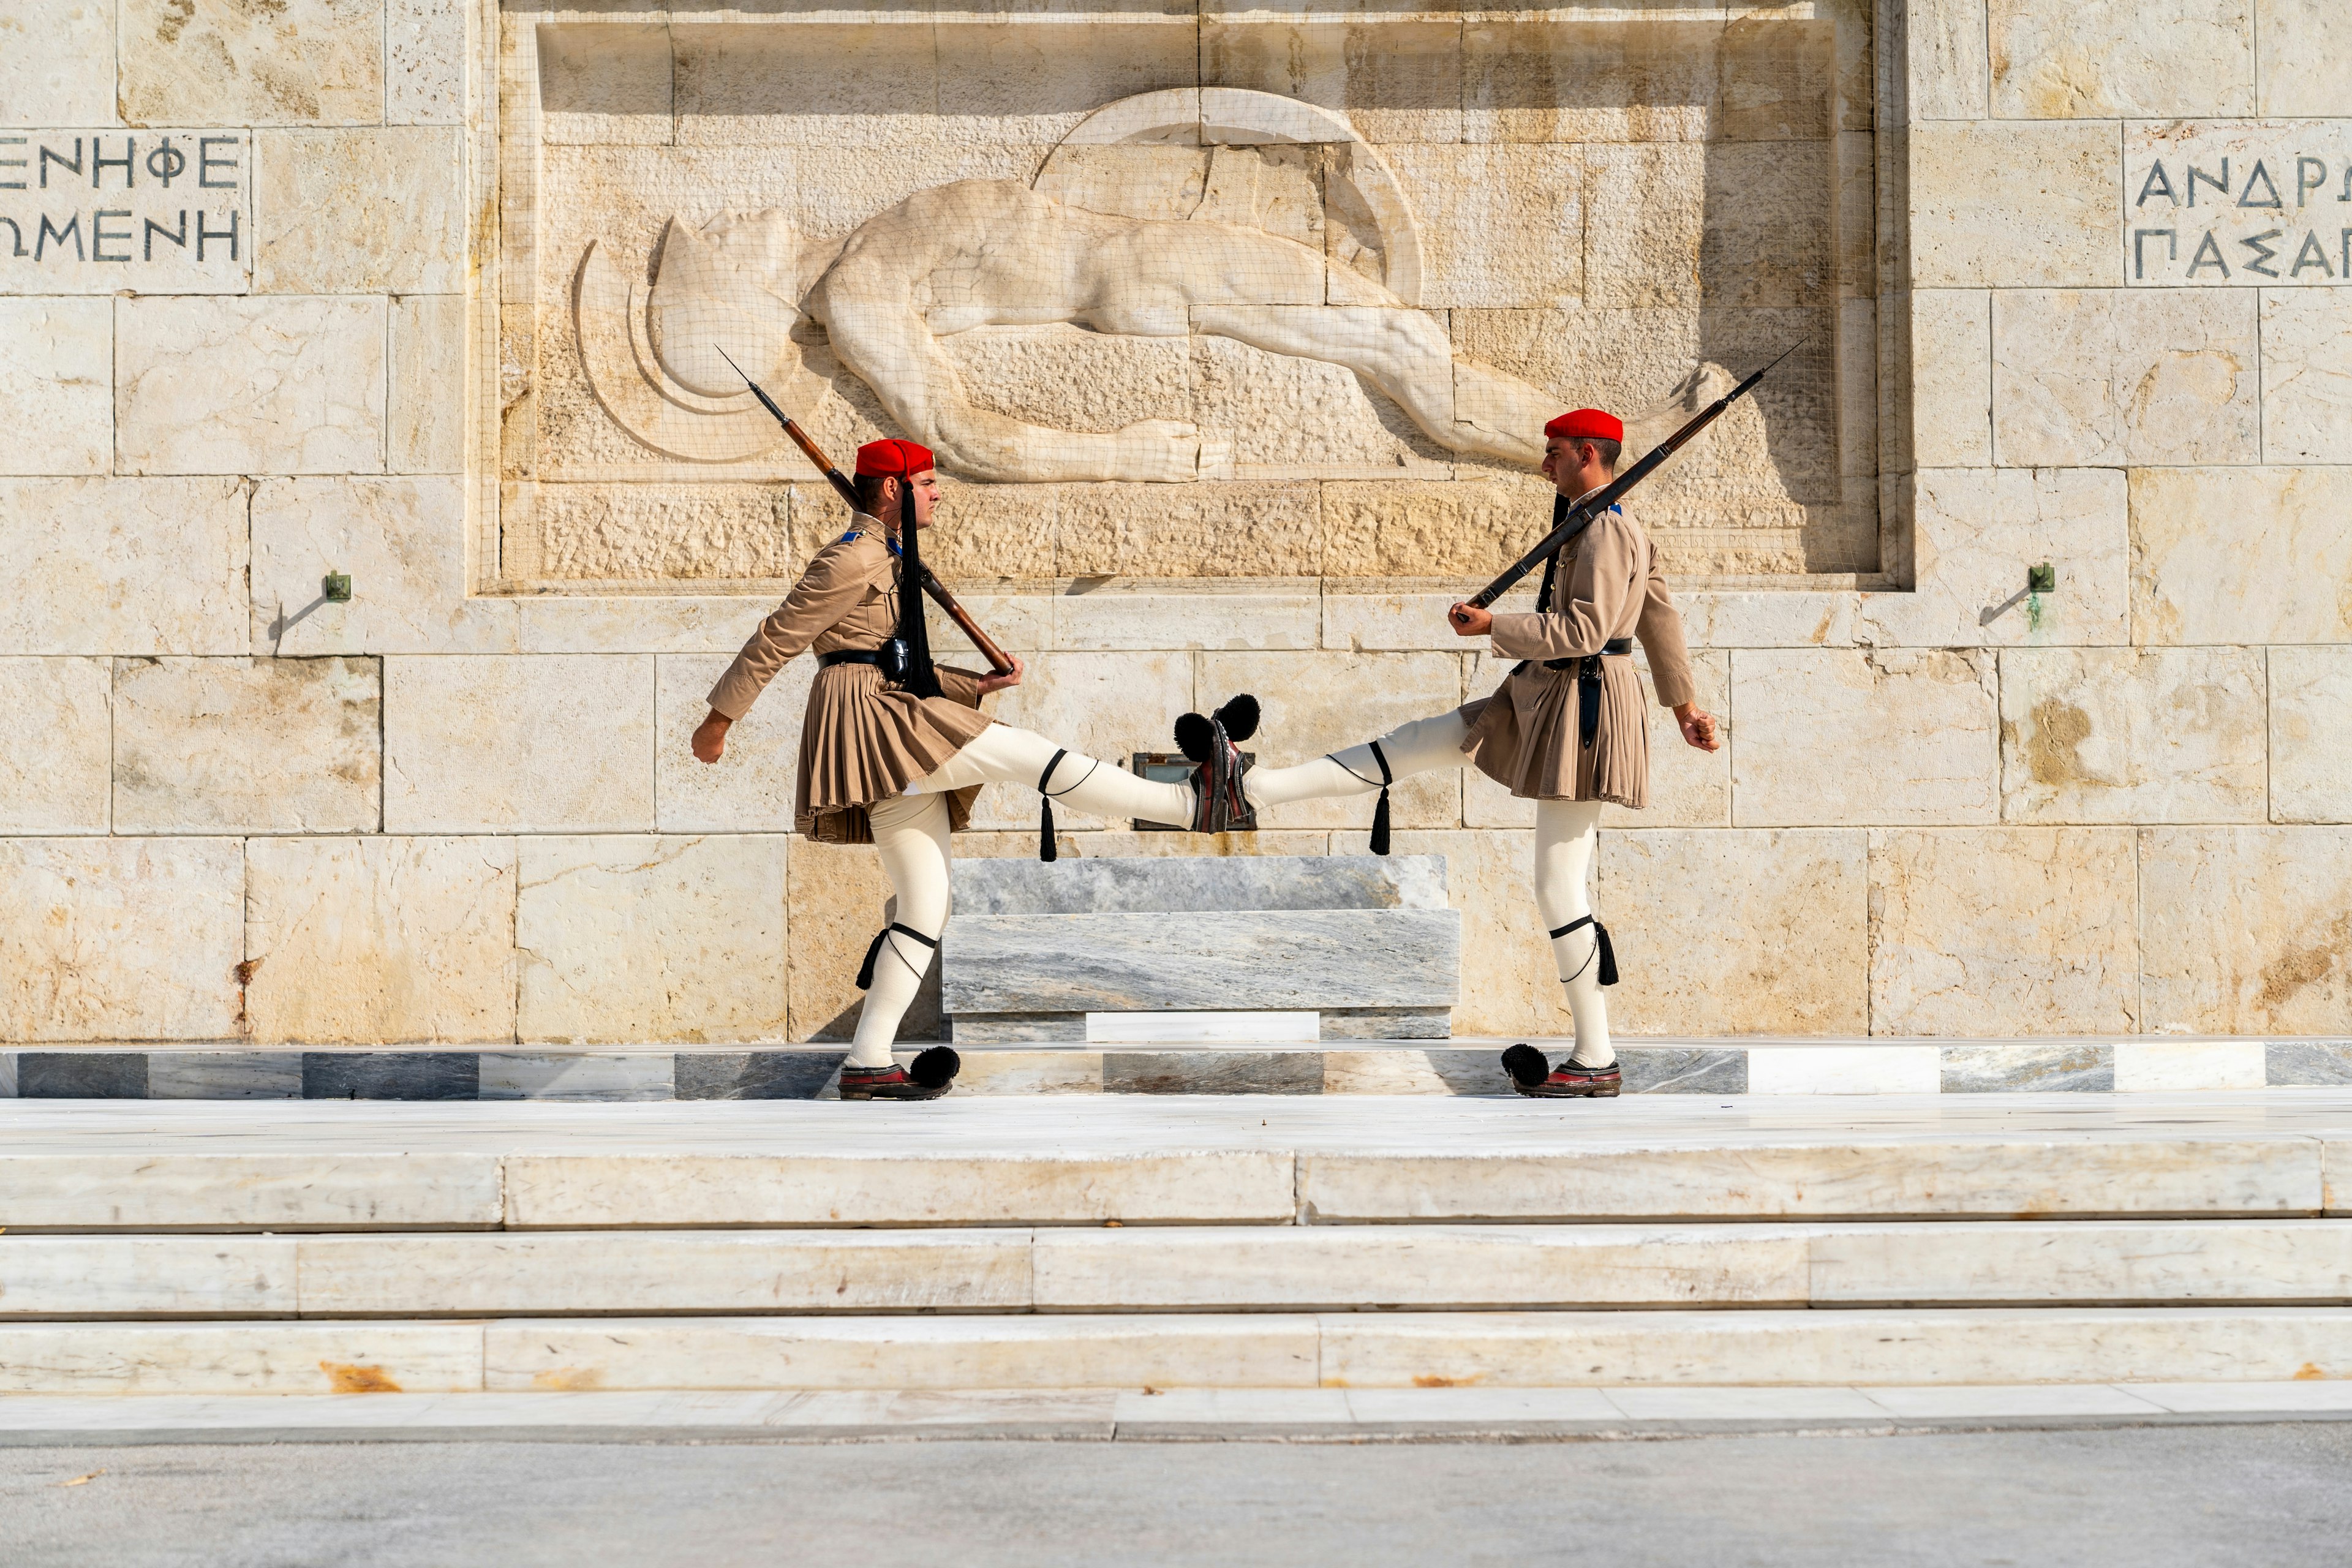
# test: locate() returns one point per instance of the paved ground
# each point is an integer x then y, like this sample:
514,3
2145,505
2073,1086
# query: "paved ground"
2273,1496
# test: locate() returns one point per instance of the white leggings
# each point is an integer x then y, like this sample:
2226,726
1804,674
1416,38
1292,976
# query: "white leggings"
911,833
1565,835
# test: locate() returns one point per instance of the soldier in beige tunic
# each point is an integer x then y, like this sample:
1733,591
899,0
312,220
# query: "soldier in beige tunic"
886,761
1567,729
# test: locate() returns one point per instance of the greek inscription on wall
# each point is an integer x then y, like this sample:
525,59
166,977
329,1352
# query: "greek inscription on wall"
2214,206
91,212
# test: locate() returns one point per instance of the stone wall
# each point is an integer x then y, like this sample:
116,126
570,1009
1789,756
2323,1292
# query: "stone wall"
459,808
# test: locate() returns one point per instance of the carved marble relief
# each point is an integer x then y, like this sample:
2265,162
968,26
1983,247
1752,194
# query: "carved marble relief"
1216,302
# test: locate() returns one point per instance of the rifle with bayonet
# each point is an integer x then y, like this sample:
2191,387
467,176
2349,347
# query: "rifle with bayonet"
997,658
1569,521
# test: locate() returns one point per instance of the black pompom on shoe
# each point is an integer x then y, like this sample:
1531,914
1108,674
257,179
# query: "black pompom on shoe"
1526,1066
1196,737
935,1068
1239,718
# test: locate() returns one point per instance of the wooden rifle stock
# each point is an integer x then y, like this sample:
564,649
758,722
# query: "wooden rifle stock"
1567,522
997,658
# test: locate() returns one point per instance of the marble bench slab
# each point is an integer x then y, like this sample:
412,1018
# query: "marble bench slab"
1366,941
1215,960
1156,885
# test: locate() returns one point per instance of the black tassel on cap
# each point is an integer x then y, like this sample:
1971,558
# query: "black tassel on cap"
1380,812
1551,562
914,630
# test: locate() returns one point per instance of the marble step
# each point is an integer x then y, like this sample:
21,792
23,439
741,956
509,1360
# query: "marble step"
1157,1415
1227,1349
1343,1064
1799,1179
324,1166
1227,1268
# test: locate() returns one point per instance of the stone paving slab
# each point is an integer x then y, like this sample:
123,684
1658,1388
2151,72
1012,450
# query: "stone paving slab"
1138,1416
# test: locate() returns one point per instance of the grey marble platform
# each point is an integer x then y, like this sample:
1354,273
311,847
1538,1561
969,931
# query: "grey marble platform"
1388,1065
1149,885
1366,941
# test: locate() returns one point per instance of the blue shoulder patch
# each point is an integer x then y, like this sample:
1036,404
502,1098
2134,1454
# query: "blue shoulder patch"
888,543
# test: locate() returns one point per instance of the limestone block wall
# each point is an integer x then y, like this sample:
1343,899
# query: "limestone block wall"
2082,270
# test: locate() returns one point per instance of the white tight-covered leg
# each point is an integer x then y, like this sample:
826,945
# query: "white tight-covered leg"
1004,754
1566,831
911,833
1419,747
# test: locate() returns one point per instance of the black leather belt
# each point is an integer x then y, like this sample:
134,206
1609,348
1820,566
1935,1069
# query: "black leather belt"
890,659
1615,646
1588,684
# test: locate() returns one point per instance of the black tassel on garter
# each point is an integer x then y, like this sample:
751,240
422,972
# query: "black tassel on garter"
1047,849
873,951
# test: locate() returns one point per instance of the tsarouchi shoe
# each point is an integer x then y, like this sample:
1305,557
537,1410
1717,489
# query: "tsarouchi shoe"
1532,1075
1219,804
930,1075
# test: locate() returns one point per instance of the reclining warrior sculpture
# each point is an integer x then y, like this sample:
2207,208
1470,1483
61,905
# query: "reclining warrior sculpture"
981,253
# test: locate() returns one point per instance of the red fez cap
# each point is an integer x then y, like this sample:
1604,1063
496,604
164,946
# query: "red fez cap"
903,460
1587,425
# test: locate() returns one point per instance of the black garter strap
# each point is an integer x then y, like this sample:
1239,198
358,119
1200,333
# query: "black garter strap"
866,970
1379,811
1607,955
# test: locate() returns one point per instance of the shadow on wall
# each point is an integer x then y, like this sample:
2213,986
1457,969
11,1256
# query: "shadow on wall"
1711,234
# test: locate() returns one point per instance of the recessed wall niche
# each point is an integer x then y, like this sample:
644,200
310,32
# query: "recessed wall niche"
1179,297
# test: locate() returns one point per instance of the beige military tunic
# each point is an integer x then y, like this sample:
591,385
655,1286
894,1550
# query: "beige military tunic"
864,739
1526,736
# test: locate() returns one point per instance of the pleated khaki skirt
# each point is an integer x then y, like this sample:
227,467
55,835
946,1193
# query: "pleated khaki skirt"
1525,737
865,739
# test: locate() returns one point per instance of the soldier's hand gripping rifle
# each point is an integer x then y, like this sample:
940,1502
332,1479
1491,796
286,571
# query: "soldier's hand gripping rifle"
1569,521
997,658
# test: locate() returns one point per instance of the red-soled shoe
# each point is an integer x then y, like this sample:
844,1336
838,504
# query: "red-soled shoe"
930,1075
1531,1074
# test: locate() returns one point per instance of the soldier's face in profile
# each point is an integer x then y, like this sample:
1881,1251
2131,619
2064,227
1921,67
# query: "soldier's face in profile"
1559,460
926,490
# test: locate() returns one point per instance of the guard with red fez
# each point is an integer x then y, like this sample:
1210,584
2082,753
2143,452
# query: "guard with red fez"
894,747
1567,730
